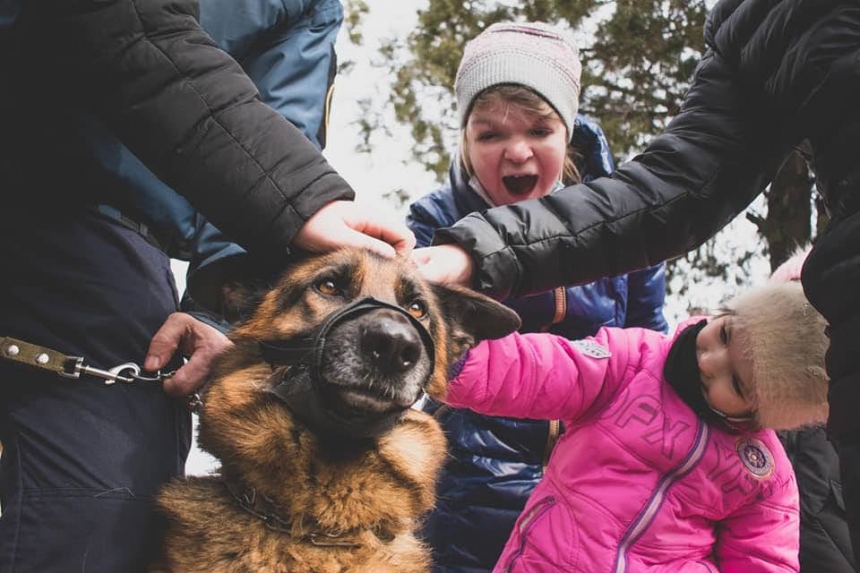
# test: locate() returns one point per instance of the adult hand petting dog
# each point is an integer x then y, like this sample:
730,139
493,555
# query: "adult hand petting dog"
348,224
448,264
196,340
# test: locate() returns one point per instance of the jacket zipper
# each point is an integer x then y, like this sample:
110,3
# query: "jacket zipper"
645,517
526,524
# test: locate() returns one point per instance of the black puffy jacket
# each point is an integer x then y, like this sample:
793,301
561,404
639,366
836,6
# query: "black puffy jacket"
148,72
825,544
776,73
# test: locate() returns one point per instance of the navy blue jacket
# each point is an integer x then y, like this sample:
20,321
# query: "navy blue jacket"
495,463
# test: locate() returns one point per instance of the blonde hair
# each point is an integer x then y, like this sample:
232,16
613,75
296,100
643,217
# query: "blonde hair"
527,102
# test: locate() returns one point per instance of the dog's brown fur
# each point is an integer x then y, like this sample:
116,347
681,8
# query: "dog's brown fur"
367,495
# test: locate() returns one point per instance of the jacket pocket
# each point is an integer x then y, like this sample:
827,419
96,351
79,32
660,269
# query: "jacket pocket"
525,526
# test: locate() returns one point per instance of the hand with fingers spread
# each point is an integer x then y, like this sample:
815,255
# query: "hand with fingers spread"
348,224
196,340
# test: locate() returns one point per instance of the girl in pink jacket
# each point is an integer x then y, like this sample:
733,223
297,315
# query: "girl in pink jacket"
666,464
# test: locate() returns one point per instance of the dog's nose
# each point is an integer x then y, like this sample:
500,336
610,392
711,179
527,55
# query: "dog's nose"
392,343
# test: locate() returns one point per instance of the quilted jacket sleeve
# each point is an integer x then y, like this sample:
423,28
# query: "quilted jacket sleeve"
541,376
187,110
716,155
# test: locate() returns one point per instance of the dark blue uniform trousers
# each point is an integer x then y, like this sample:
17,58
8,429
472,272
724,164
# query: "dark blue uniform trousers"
82,461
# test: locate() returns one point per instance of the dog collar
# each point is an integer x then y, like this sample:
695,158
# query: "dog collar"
297,382
261,507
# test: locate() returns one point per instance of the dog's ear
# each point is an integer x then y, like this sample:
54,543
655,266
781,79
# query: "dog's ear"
233,286
472,316
239,299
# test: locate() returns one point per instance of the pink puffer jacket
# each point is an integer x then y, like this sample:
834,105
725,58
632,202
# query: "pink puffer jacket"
637,483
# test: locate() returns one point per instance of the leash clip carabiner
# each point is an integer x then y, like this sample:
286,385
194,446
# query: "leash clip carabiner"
128,372
109,376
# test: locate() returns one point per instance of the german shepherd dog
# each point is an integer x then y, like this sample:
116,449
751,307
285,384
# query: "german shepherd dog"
324,466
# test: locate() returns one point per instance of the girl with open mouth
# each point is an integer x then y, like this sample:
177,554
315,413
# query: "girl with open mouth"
517,94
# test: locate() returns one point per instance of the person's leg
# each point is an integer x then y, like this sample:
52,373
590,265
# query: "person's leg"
82,461
81,465
831,280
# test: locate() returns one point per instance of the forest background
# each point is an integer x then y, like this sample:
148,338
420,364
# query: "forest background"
393,123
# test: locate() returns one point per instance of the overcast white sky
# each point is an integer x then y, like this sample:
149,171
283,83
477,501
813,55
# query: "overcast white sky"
389,166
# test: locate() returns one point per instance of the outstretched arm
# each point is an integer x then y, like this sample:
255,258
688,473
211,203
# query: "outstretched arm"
714,158
540,375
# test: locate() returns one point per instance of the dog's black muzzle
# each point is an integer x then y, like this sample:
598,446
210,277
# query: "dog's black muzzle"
301,387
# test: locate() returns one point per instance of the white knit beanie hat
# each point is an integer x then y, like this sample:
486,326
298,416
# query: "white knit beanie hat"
785,338
536,55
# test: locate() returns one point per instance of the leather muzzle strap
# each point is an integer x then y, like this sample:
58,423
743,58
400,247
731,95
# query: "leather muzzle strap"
298,383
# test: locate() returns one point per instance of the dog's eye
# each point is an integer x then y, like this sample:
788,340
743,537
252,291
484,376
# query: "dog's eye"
328,287
418,308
